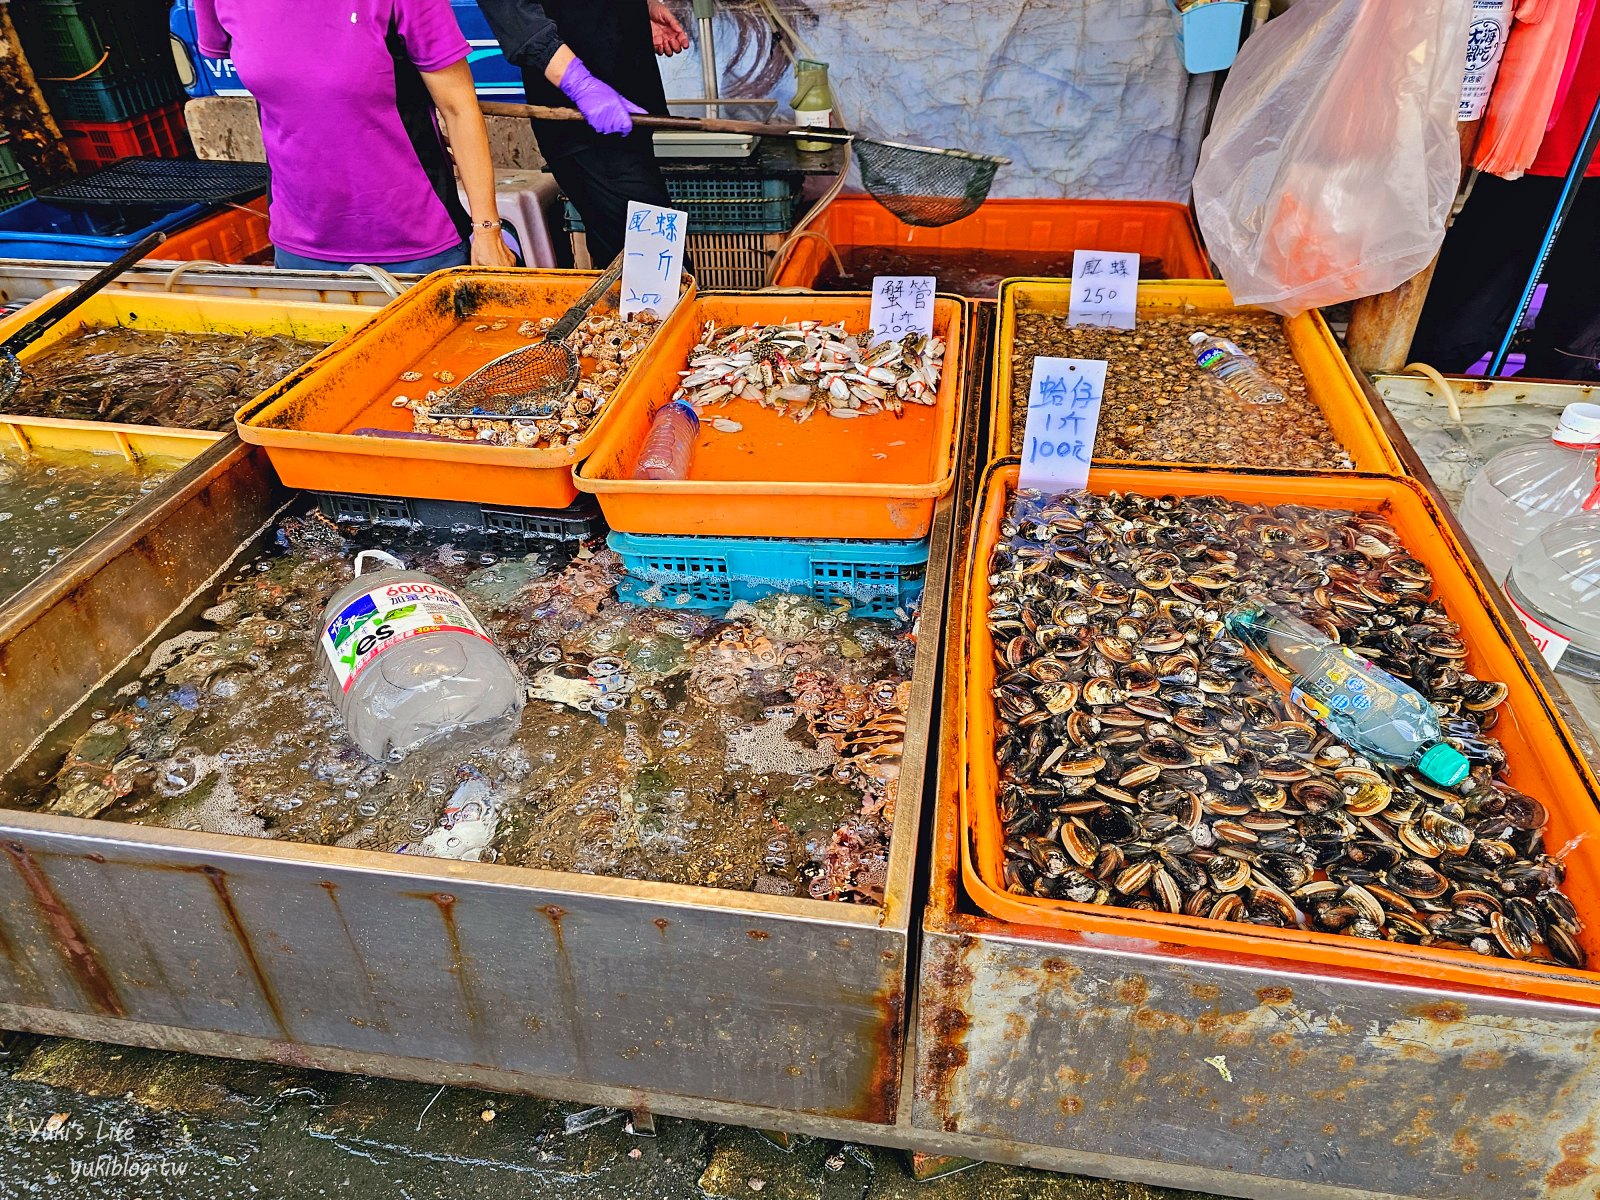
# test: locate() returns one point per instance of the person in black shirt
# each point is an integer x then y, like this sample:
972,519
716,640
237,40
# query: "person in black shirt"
598,56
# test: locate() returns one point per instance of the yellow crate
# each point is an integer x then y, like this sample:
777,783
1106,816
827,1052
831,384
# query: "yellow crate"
164,313
48,435
1330,382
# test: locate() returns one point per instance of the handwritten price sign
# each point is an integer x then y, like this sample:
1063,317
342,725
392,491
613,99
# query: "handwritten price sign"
1105,289
652,263
1063,414
902,304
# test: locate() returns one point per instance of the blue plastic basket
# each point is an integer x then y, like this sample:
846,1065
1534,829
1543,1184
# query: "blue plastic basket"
39,229
1209,34
712,572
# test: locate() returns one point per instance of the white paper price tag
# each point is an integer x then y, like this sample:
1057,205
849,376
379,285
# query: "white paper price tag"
1063,413
1551,645
902,304
1105,289
652,259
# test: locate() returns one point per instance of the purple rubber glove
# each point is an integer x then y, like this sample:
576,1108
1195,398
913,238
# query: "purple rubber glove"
606,109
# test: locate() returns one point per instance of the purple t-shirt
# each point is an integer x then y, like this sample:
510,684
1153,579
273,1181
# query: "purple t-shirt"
359,172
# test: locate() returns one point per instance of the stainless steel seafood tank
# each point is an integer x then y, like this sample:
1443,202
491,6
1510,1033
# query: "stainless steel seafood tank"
562,984
1138,1060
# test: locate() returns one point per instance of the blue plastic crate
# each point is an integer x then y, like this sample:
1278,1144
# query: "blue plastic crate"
39,229
712,572
1209,33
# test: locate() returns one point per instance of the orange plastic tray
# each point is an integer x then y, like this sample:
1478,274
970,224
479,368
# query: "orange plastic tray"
1542,759
237,234
305,422
1152,228
1329,380
873,477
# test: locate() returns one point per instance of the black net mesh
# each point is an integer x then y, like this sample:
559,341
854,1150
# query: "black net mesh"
164,181
922,185
527,382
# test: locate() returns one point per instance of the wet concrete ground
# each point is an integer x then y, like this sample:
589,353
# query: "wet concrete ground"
120,1124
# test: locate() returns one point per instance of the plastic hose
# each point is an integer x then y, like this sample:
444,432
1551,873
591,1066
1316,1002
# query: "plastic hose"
381,277
1442,384
794,239
177,272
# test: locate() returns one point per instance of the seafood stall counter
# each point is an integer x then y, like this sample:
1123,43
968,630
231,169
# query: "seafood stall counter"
295,933
1119,1040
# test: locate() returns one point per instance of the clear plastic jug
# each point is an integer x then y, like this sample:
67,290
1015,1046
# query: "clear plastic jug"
406,660
1523,489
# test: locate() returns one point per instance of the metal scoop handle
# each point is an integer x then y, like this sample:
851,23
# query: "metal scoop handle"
35,329
11,365
562,329
496,108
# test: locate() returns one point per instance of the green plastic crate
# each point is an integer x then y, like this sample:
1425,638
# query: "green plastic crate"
11,197
112,100
64,38
726,203
12,173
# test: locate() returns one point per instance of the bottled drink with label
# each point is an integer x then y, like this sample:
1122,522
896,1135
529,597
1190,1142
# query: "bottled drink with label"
1523,489
1368,709
1555,585
669,445
406,660
1240,373
813,101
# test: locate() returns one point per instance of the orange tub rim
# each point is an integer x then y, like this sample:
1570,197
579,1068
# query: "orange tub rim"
1331,384
642,506
1178,236
327,459
1541,744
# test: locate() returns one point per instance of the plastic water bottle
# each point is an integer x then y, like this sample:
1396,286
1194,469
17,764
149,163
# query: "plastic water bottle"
1241,374
1555,586
670,443
1523,489
1368,709
406,660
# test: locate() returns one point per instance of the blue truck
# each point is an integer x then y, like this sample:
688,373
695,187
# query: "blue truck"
496,78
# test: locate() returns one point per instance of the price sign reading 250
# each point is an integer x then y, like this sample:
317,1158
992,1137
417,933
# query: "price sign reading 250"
1105,289
1063,414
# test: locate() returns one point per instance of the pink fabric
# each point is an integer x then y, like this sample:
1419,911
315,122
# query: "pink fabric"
1525,89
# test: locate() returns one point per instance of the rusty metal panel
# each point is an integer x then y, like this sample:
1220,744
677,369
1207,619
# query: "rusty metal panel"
421,962
77,623
1252,1070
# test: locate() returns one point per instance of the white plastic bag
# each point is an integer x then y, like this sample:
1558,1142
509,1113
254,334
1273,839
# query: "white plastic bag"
1333,156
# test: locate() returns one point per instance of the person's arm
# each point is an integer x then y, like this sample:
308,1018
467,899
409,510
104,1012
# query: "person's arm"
666,32
456,98
529,39
211,37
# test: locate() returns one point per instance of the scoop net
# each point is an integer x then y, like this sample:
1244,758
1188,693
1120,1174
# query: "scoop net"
924,185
